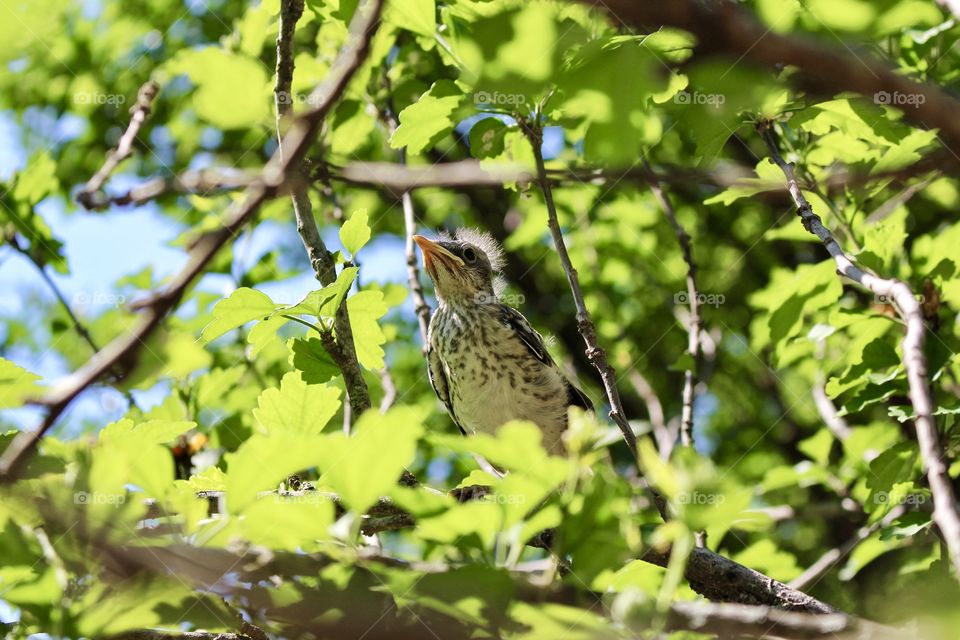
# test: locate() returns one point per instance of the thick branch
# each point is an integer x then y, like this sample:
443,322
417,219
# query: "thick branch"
914,361
123,350
340,347
725,27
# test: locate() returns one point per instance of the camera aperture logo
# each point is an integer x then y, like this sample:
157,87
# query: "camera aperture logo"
897,99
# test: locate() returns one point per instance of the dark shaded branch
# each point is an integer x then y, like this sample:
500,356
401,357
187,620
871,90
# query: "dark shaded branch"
914,360
122,351
340,347
723,580
724,27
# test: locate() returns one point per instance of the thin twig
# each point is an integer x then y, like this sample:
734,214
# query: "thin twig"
658,424
595,353
696,322
389,390
123,350
138,115
914,361
78,326
420,305
341,348
837,425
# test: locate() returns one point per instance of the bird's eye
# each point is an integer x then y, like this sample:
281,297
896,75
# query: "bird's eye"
469,254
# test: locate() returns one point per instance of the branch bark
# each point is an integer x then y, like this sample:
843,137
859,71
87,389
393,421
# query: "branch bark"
139,112
725,27
123,350
595,353
340,347
914,360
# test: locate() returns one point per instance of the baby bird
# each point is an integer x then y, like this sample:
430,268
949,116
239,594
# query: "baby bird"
486,363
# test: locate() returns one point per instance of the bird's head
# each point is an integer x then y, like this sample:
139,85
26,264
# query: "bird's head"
463,268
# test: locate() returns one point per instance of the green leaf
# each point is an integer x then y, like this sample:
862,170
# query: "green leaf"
291,523
312,360
37,180
296,407
418,16
486,138
263,461
366,465
355,232
232,89
16,384
241,307
323,303
365,308
430,118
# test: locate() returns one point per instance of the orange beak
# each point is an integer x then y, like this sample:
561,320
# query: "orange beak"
434,252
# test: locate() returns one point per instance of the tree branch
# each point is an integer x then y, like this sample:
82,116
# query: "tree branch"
696,323
421,307
340,347
914,361
588,331
91,192
123,350
725,27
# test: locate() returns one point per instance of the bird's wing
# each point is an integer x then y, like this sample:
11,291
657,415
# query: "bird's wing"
578,398
438,380
527,334
535,344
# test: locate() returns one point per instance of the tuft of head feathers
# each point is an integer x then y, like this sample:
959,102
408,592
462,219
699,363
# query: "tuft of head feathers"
484,241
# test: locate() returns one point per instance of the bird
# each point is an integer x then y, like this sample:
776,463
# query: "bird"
486,363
